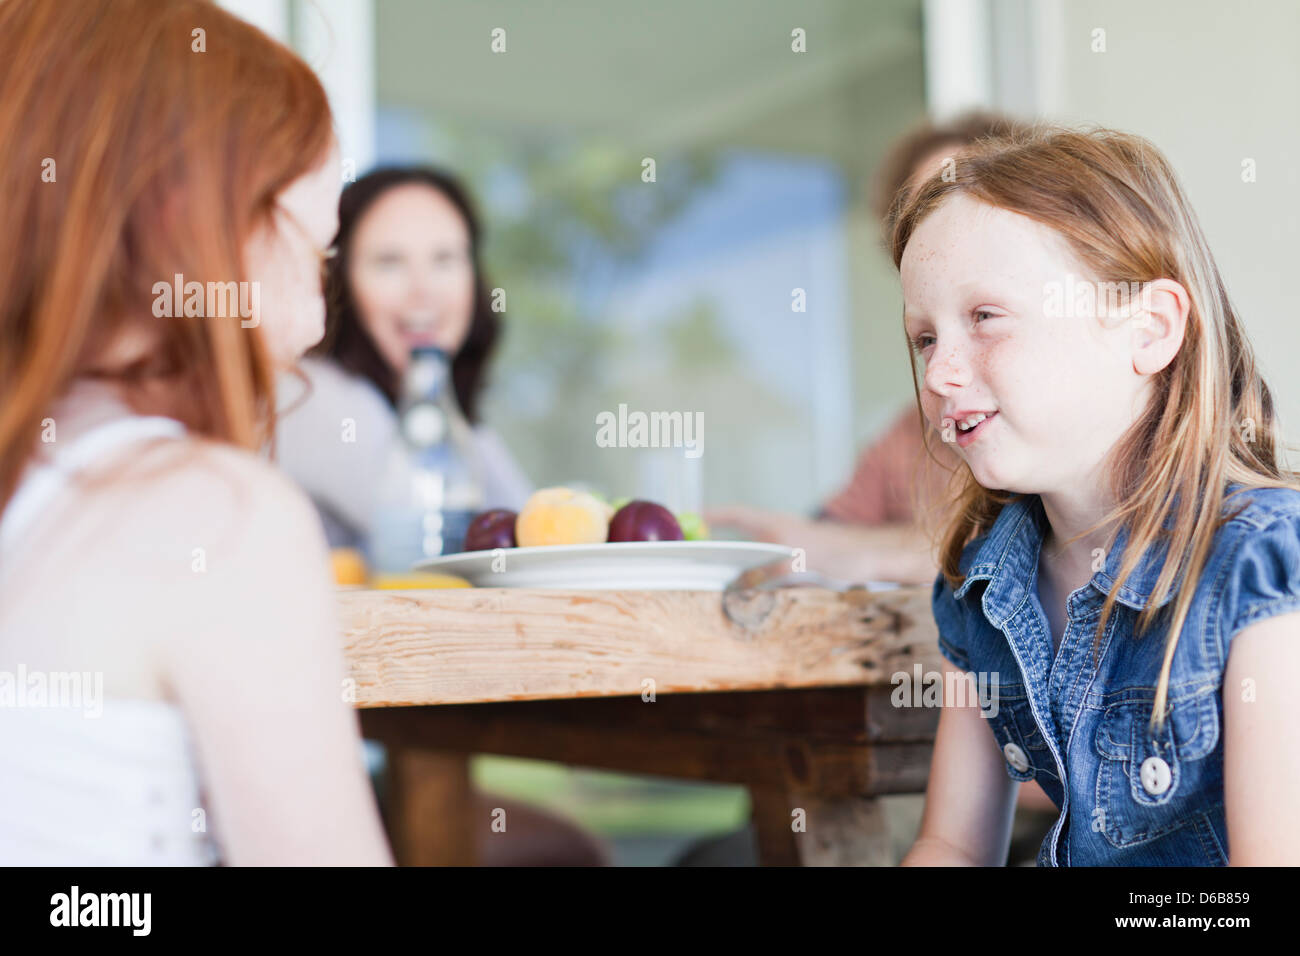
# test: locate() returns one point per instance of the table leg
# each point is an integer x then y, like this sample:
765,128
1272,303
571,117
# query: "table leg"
430,806
800,829
771,811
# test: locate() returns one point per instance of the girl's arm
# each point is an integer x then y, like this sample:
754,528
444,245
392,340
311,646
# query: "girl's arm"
255,659
1261,748
970,799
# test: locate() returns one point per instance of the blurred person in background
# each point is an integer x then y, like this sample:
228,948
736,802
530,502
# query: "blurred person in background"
880,526
145,546
406,273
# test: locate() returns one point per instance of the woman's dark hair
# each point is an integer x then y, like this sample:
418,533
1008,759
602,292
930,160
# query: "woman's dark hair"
346,340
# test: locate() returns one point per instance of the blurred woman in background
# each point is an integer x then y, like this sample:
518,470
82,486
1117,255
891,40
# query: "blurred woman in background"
146,550
406,273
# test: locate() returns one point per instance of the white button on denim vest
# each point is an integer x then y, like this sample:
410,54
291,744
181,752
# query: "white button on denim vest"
1016,757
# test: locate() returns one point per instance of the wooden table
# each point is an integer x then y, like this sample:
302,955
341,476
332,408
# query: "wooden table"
790,699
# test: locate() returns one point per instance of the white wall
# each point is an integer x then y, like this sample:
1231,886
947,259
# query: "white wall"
337,38
1211,84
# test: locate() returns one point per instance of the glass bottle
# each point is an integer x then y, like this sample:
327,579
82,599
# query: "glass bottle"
432,484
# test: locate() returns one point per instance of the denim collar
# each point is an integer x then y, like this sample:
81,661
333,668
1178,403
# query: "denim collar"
1008,558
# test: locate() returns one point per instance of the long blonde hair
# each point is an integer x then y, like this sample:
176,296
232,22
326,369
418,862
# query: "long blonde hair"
1210,424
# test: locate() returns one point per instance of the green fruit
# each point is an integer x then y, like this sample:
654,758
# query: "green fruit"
619,502
693,526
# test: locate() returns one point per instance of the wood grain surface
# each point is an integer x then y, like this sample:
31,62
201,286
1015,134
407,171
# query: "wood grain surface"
458,646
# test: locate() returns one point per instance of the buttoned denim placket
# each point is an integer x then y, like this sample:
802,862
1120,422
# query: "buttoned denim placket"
1082,611
1074,656
1024,618
1027,619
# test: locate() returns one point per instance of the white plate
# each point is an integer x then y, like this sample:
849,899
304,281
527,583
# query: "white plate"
632,565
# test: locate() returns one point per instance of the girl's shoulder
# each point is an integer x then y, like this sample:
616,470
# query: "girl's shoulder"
1258,508
1257,558
157,544
203,492
215,543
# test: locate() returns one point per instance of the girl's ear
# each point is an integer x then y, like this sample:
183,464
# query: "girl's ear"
1159,324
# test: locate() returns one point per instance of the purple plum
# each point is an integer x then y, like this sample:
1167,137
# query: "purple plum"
644,521
490,530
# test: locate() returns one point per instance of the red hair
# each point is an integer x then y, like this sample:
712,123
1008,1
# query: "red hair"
143,138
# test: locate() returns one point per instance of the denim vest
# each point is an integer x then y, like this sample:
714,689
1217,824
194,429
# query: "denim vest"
1081,730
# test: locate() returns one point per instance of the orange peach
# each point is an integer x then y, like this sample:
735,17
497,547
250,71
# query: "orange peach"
562,516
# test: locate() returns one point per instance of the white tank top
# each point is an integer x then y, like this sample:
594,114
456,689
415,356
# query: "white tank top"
117,787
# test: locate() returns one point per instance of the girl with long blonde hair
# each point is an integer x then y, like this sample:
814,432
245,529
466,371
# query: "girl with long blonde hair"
1121,580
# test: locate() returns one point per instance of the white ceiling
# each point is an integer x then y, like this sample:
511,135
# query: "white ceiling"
667,72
